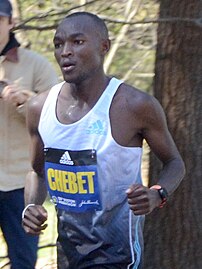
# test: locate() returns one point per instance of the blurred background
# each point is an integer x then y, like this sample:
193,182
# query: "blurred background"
156,47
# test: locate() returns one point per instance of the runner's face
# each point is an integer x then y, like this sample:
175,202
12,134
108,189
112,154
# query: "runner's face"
78,49
5,27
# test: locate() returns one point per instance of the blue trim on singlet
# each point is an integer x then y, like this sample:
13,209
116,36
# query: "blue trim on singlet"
137,246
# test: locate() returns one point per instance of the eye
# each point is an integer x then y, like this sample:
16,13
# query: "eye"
57,45
78,42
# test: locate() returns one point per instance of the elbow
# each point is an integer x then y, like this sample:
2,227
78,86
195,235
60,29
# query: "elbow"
38,170
180,167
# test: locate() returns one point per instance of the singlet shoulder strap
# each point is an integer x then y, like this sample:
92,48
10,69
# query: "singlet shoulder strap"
105,100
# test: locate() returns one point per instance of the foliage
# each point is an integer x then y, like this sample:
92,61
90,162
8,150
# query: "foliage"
130,24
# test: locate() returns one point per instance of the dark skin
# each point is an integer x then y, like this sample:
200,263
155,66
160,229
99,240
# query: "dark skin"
134,116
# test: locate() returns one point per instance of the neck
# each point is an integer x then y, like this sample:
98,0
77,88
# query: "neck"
90,91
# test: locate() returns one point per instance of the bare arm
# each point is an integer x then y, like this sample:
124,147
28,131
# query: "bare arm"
154,128
35,187
161,143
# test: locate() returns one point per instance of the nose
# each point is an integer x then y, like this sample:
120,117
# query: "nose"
67,50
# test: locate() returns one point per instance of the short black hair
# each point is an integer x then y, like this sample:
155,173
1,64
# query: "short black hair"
97,20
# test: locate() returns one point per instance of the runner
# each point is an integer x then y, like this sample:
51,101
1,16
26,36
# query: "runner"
86,141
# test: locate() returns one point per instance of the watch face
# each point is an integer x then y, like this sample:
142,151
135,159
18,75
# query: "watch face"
162,193
164,196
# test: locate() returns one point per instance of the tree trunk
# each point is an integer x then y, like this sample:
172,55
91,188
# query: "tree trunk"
173,235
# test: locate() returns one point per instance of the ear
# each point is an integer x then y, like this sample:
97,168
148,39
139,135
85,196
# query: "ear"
106,44
11,24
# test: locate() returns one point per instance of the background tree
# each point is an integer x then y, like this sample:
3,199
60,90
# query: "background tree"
173,235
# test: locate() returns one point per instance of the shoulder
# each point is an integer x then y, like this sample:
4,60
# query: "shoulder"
143,109
135,99
34,108
36,103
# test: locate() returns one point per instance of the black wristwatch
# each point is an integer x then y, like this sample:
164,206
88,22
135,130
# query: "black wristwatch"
162,193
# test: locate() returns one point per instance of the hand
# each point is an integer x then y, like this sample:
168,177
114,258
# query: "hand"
13,95
142,200
34,218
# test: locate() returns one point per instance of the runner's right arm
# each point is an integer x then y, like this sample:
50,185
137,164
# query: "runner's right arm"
35,214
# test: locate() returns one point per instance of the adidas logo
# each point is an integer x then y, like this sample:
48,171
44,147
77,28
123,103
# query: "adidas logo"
97,128
66,159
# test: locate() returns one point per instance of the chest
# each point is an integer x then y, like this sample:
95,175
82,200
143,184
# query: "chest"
123,123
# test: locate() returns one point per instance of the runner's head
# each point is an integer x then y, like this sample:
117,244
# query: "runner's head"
81,43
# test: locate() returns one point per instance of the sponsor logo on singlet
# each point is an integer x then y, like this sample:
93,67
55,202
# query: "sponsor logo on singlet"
66,159
97,128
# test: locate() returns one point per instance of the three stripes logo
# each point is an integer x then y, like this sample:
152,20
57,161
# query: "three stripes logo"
66,159
97,128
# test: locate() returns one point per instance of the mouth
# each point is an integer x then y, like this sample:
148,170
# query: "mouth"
67,66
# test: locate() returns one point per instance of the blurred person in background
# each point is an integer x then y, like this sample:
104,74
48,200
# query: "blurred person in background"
23,73
91,162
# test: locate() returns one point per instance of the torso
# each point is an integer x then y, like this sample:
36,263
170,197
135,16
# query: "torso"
75,134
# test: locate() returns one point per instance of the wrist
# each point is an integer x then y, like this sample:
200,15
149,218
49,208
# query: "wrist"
163,194
23,212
